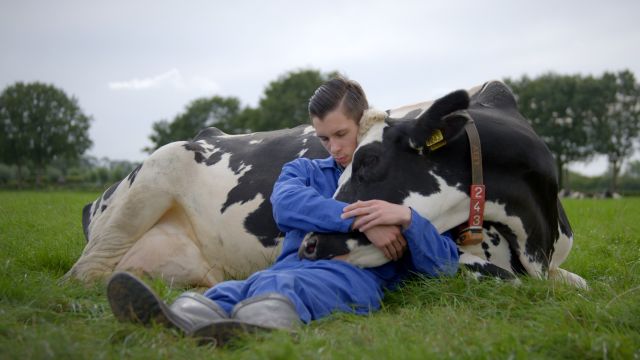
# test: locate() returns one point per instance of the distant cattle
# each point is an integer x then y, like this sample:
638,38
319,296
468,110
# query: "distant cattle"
525,230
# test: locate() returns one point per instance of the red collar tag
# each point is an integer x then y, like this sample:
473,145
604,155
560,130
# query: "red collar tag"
476,209
472,234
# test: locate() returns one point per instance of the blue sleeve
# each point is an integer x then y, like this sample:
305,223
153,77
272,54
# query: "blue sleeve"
297,205
431,253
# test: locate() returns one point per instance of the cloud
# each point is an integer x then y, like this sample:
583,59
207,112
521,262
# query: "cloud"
203,83
172,78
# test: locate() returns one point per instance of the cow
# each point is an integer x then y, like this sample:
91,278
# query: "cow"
197,212
194,212
524,230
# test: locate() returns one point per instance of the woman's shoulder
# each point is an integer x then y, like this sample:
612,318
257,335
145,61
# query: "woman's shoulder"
313,163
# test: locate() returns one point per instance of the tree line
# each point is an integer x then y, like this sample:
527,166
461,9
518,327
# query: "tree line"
580,117
40,124
45,133
283,105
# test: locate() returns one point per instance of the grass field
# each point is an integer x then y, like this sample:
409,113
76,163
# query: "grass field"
458,318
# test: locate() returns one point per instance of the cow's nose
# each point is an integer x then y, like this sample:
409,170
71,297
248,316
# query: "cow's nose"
308,247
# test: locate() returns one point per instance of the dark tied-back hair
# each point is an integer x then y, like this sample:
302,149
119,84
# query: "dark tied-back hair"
338,92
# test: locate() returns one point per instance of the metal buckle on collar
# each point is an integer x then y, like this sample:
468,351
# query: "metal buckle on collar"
469,236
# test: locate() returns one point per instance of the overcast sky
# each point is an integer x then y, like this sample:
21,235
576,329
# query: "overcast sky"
131,63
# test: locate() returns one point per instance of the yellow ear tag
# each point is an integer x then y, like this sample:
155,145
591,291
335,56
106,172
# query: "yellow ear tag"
436,140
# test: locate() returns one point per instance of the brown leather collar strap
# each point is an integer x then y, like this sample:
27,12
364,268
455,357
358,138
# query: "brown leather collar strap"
476,152
472,234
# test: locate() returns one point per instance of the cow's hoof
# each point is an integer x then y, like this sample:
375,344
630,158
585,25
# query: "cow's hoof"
133,301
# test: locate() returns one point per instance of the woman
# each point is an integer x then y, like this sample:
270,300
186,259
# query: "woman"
293,289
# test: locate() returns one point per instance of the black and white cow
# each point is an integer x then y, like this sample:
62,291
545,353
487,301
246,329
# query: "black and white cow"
525,229
196,212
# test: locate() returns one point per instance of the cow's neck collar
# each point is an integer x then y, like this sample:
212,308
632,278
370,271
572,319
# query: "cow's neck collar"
471,232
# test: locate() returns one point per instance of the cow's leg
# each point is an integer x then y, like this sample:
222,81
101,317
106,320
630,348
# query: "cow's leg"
561,250
169,251
567,277
117,230
491,258
481,268
134,208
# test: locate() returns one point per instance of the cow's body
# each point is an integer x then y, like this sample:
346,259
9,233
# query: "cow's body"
525,228
194,212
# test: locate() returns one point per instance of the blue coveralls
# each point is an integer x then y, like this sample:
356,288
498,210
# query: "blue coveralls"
302,202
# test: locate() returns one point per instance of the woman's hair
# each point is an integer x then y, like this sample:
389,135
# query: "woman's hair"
338,92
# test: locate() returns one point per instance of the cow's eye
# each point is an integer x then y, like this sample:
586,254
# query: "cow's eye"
366,162
370,161
367,168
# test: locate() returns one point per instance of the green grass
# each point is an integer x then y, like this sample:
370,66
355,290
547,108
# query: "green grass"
459,318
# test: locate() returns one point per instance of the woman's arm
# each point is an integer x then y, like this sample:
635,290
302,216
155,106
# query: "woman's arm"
297,205
430,252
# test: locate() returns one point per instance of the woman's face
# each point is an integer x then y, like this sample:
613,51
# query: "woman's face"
338,135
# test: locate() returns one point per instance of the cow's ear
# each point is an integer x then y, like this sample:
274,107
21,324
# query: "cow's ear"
439,124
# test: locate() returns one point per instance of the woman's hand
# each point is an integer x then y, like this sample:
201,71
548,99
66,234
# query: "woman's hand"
389,239
373,213
382,223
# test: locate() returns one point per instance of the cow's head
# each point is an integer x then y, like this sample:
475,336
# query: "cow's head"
403,161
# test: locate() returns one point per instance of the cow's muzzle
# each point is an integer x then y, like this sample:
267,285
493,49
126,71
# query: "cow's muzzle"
309,247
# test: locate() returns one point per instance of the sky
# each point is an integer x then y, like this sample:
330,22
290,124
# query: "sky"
132,63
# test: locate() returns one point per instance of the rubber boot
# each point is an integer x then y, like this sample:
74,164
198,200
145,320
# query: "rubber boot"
133,301
270,311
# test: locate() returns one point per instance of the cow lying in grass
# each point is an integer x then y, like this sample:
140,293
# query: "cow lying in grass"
525,230
197,212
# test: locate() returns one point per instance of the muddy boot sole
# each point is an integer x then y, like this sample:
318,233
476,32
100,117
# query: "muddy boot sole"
133,301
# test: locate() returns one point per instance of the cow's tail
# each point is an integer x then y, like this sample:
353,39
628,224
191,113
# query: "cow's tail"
86,220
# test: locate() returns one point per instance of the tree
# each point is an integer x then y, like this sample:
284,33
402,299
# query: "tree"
283,105
39,123
221,112
160,135
616,131
633,169
561,108
285,101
